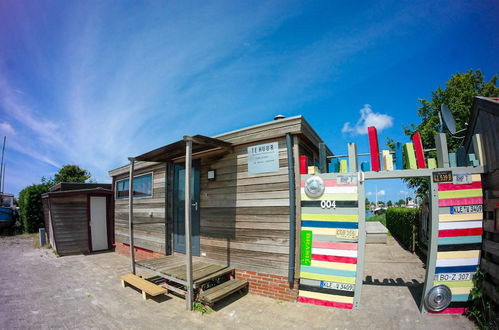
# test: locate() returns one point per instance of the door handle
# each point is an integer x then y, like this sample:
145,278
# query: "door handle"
195,204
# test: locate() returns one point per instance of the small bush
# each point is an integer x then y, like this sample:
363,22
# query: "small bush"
30,207
403,225
381,218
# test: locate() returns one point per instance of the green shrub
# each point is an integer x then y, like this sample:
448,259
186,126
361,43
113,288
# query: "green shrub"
403,224
381,218
30,207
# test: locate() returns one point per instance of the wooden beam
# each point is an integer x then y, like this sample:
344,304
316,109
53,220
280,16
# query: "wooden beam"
442,151
352,157
130,213
188,233
200,139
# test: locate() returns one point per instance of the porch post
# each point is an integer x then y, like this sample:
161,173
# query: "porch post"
188,250
130,212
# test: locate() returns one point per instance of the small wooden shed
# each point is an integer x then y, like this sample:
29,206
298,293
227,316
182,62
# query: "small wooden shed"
78,217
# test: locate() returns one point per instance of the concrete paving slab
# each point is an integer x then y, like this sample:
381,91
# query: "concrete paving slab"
39,290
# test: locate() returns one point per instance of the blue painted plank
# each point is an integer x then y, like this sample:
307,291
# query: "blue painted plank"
461,157
330,224
399,158
452,160
460,297
456,269
459,240
327,271
365,166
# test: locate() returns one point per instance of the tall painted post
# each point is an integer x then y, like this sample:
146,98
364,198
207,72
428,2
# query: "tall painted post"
442,151
352,157
130,212
374,149
188,233
418,148
399,158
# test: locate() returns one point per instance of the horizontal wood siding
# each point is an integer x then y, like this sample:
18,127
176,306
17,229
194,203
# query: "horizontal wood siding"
149,213
70,223
244,217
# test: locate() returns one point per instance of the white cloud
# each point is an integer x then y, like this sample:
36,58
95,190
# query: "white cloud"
370,193
403,192
381,193
368,118
6,129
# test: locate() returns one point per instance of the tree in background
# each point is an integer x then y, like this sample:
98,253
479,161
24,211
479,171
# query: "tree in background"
458,96
30,198
400,202
71,173
389,204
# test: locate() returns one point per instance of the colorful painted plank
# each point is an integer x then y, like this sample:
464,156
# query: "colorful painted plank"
399,159
460,193
442,151
478,149
323,257
387,160
373,147
451,186
365,167
452,159
343,166
459,240
460,201
409,157
324,303
460,232
418,148
303,165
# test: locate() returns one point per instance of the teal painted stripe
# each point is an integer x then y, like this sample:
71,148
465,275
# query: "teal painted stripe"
460,297
459,240
327,271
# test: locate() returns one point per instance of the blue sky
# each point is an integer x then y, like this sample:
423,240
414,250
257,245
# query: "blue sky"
93,82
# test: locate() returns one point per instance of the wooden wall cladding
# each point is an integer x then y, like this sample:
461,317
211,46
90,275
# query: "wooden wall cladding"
459,240
329,243
149,214
245,217
70,224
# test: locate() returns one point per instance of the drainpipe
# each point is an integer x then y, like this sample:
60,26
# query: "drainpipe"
292,209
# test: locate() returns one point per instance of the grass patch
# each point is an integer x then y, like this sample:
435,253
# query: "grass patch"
381,218
199,307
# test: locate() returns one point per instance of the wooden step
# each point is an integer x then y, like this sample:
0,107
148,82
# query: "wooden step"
145,286
222,290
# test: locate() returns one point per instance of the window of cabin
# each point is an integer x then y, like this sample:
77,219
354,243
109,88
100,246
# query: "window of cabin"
142,187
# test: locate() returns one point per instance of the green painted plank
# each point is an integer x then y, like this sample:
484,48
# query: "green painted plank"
409,156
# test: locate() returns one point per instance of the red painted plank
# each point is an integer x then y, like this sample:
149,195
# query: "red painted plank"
450,186
418,148
321,257
325,303
374,148
335,245
303,165
460,201
460,232
456,310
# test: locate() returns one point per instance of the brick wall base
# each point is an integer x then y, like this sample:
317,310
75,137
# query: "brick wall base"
140,253
273,286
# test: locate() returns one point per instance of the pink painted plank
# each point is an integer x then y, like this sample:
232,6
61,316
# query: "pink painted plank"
325,303
418,148
374,148
331,183
450,186
456,310
460,201
335,245
346,260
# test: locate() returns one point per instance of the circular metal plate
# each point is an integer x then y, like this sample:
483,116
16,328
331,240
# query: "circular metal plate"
438,298
314,187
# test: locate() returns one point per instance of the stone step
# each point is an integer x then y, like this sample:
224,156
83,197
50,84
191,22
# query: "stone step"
376,233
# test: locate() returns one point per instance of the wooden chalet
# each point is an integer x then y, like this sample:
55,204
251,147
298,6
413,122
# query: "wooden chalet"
244,208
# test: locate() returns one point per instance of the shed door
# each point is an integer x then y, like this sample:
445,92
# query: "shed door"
179,207
98,223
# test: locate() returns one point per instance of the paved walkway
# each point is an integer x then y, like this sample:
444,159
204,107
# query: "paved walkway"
39,290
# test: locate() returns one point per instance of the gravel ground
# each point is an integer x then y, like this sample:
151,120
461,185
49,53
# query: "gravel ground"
40,290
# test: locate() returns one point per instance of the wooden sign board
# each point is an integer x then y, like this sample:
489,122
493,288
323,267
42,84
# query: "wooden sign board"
442,176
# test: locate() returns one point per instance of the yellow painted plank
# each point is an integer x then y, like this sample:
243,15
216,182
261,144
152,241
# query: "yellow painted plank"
333,265
455,284
328,231
142,284
458,254
476,177
323,296
460,193
460,290
460,217
331,278
330,217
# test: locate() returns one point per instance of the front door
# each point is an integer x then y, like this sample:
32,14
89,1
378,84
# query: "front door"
98,222
179,207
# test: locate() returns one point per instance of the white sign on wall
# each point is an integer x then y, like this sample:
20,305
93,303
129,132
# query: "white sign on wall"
263,158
